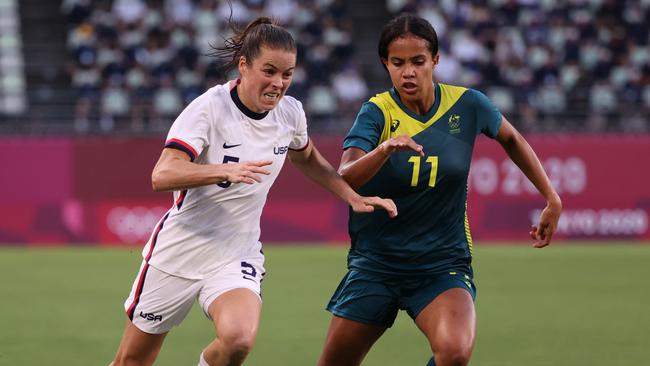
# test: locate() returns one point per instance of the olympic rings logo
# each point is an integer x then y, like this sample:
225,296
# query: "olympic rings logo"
133,224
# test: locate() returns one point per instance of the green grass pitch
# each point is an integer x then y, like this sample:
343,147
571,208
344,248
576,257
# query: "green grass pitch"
584,304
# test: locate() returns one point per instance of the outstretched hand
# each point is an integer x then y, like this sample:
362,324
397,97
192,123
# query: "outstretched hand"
542,233
401,143
246,172
369,204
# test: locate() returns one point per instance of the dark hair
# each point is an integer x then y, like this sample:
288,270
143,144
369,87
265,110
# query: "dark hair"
248,42
407,24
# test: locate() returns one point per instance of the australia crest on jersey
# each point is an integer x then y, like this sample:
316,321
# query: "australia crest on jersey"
454,123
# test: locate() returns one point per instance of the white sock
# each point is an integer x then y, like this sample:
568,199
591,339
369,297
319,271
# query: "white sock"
202,361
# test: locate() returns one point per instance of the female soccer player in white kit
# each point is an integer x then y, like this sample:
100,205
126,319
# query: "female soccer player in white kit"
221,156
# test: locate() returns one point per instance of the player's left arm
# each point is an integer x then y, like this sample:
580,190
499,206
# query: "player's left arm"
523,155
312,164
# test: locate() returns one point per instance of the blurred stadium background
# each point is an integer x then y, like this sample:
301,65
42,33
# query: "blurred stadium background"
88,90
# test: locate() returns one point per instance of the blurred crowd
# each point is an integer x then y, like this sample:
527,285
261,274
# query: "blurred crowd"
550,66
137,63
570,65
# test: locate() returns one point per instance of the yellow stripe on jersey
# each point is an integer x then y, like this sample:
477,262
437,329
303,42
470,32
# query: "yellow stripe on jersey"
468,234
402,123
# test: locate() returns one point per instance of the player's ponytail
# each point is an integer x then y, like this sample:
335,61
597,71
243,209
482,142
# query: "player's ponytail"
262,31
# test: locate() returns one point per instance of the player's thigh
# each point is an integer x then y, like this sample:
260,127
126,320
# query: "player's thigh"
348,341
449,321
236,316
232,298
364,305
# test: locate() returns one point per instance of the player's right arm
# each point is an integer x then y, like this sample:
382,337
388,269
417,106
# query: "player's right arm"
364,152
358,167
175,171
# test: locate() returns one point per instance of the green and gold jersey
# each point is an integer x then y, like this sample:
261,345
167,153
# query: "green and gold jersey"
431,232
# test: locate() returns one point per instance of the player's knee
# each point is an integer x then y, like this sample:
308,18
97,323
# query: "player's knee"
456,355
238,344
124,359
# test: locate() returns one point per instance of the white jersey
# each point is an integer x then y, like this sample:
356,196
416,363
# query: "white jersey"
210,226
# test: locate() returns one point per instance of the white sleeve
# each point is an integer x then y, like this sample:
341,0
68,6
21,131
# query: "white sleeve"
189,132
300,138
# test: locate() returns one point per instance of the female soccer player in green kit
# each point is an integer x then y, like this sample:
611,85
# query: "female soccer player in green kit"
414,144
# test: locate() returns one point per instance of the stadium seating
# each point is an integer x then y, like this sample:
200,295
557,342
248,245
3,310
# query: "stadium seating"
127,67
12,77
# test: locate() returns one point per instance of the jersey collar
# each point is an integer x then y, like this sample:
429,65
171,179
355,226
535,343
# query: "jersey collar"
422,118
242,107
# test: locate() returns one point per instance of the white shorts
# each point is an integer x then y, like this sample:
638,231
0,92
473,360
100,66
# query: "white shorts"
160,301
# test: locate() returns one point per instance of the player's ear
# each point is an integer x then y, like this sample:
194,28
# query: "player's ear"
242,65
436,59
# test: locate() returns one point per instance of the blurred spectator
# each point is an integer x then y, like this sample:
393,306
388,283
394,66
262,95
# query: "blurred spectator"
167,103
86,80
76,11
237,9
282,10
139,86
322,104
502,98
129,11
114,103
448,69
350,90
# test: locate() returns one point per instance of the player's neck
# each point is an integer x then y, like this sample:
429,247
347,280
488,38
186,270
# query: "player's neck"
243,97
241,105
422,106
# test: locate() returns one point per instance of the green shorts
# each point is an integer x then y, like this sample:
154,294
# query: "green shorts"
375,298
